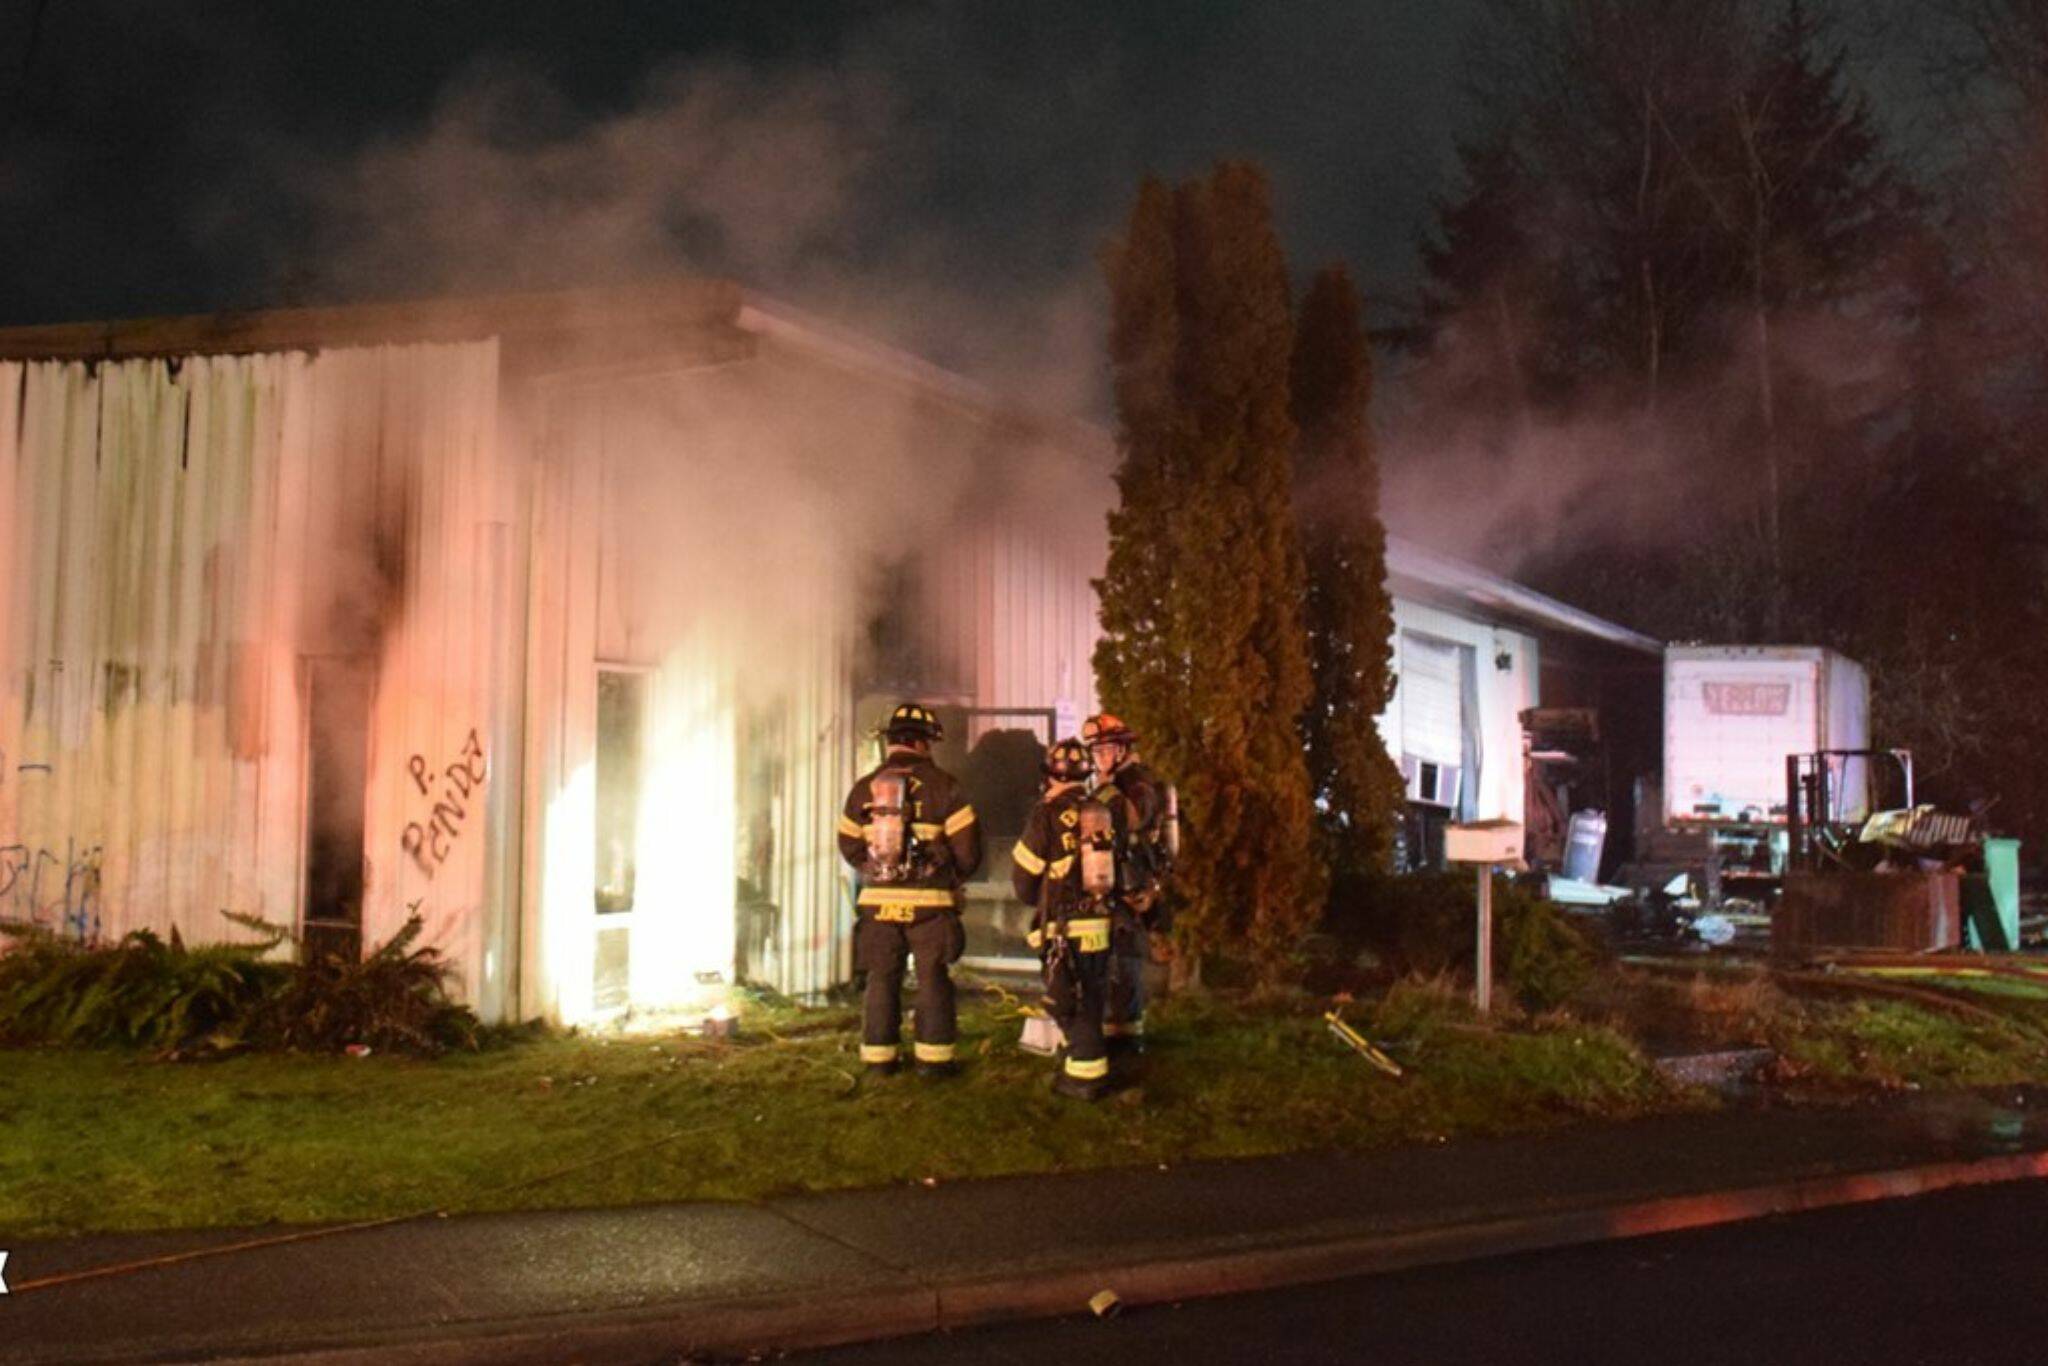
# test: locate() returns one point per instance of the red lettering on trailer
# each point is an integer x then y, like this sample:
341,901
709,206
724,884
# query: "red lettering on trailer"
1747,699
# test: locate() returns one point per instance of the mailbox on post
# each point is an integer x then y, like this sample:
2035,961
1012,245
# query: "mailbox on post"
1486,845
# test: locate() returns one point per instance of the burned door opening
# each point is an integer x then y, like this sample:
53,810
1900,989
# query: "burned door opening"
1000,758
339,690
996,753
621,730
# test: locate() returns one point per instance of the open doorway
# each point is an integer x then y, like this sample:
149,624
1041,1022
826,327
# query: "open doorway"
1004,749
339,690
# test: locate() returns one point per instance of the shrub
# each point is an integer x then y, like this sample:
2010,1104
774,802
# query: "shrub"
1415,923
144,992
1546,959
1422,924
1417,1008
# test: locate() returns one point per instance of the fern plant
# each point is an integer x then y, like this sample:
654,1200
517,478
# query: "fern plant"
394,999
139,992
144,992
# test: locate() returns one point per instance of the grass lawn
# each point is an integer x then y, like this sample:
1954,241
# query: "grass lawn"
110,1140
1856,1035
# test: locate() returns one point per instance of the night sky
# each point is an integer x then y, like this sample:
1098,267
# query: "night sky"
172,157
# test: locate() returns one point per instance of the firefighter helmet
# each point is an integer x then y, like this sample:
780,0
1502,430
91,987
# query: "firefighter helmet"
1068,762
912,722
1105,729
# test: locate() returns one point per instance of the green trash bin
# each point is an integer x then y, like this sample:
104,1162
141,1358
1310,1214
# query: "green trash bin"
1991,900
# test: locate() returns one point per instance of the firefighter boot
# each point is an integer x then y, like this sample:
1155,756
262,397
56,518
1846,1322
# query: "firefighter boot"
1079,1080
935,1062
1126,1041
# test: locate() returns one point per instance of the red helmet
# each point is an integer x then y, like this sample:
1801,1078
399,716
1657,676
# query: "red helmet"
1105,729
1068,762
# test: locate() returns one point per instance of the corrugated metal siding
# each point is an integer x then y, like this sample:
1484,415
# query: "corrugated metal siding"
174,537
559,804
182,541
810,948
1035,613
440,493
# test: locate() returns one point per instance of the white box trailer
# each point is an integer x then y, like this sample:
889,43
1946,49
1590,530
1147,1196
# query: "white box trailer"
1733,713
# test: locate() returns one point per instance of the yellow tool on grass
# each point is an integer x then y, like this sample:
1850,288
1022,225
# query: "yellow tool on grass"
1361,1045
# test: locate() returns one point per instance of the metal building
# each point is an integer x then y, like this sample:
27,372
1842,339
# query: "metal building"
562,622
555,620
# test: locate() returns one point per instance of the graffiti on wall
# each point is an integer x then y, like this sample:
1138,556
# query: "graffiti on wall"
43,885
429,842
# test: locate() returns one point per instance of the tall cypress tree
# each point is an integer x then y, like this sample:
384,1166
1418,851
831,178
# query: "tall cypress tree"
1141,661
1350,614
1204,648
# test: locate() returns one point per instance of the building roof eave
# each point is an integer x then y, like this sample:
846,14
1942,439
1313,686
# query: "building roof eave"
686,301
849,350
1409,563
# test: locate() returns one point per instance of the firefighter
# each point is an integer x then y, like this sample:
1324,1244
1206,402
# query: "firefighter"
1150,818
908,830
1065,868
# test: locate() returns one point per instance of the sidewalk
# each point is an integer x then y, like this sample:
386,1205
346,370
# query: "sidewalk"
645,1283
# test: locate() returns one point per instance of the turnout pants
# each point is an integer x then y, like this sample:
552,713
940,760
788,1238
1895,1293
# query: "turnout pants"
1124,1014
1076,991
881,948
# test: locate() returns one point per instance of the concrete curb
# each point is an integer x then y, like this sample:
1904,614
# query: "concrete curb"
790,1322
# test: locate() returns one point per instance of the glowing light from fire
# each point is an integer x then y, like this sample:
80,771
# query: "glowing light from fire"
683,912
567,911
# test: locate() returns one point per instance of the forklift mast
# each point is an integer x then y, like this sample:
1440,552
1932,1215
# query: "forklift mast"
1812,830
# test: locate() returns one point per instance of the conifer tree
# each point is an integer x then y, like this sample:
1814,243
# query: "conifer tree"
1349,612
1204,649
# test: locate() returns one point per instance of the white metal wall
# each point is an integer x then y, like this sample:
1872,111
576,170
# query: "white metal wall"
176,539
1036,616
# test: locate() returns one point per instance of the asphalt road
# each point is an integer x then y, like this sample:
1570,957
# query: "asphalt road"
1955,1278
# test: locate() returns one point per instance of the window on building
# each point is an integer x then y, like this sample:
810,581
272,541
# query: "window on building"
621,717
621,725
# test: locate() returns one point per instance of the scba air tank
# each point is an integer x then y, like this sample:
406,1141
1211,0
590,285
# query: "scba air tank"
888,845
1098,850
